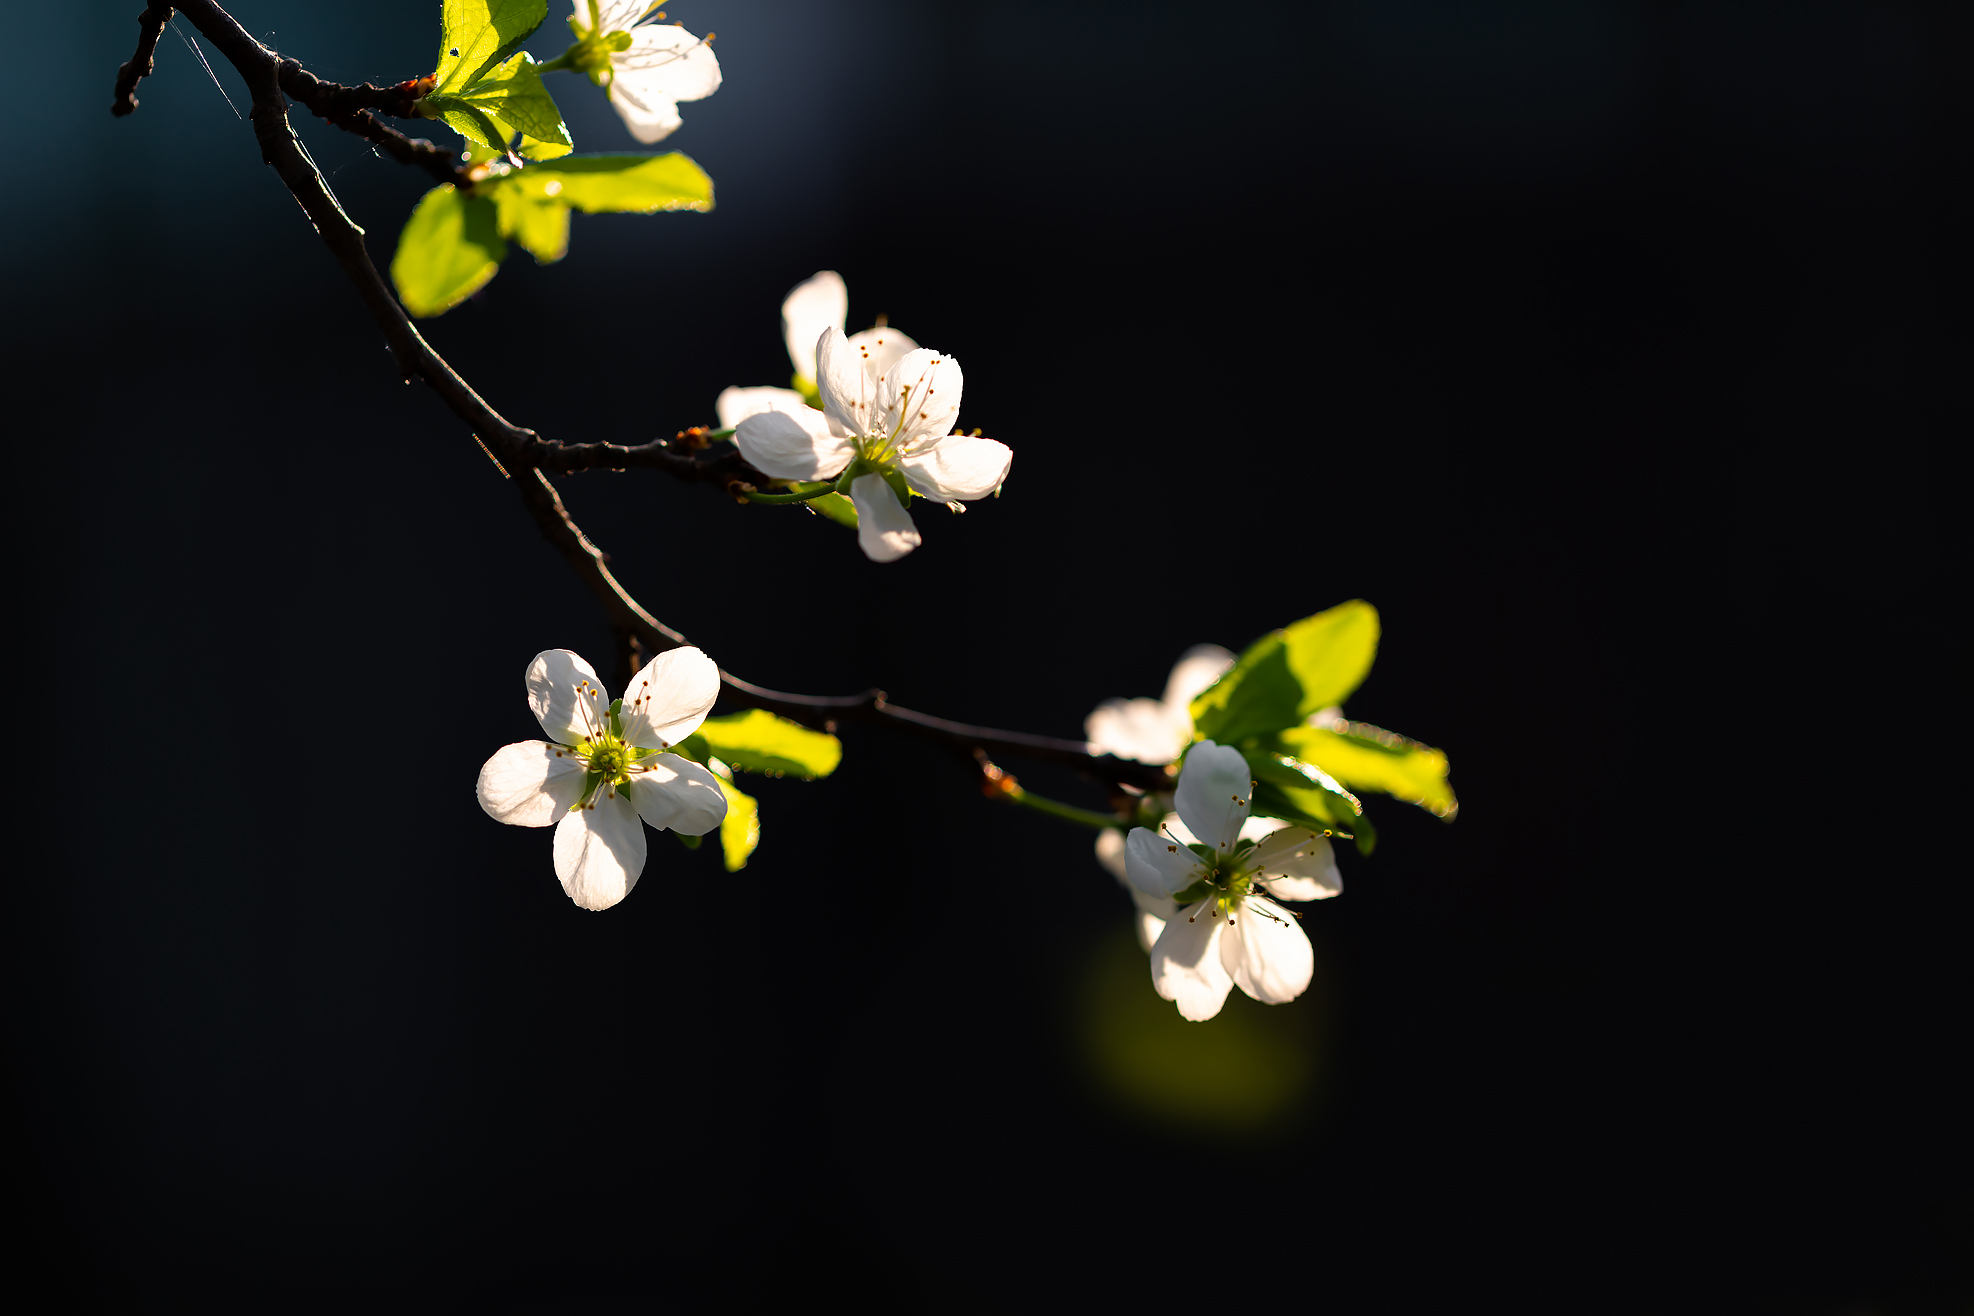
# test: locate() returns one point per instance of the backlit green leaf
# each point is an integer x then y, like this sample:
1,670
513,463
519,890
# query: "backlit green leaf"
1368,758
541,227
610,184
758,741
477,35
837,508
1288,674
740,831
508,99
450,247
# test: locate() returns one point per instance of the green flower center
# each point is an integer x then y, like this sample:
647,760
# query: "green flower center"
608,757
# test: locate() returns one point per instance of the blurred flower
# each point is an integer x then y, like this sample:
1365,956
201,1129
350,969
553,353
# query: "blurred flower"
602,767
646,67
890,430
816,305
1226,928
1157,730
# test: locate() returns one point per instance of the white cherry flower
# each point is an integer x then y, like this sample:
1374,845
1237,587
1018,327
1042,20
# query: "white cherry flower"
890,430
1227,928
1154,912
647,67
603,767
818,303
1157,730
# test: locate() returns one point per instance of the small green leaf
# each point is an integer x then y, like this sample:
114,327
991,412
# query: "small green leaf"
740,832
541,227
450,247
1288,674
508,99
477,35
1368,758
758,741
611,184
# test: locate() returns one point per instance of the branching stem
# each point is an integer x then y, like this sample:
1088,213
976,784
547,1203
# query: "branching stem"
522,452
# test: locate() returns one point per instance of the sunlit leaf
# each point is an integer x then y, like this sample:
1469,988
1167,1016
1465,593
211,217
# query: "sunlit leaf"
610,184
477,35
740,832
757,741
1288,674
540,227
450,247
508,99
1368,758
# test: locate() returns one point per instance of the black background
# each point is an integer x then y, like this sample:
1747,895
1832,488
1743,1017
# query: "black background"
1613,350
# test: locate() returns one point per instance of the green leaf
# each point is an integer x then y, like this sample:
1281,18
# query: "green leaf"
610,184
508,99
541,227
535,202
740,831
1288,674
1368,758
758,741
837,508
450,247
477,35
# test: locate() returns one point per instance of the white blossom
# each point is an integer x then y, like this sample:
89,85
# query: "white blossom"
1157,730
818,303
647,75
894,423
1226,927
603,768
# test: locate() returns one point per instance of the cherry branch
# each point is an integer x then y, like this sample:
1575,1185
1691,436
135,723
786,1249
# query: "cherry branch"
521,451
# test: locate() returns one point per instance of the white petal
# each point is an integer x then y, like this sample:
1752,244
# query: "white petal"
613,15
568,697
650,118
665,65
1110,853
678,794
958,466
1267,952
1197,668
918,397
1185,963
670,698
1298,864
1158,866
847,389
1213,793
793,445
530,784
817,303
879,349
737,404
1254,829
884,528
1149,928
599,850
1140,729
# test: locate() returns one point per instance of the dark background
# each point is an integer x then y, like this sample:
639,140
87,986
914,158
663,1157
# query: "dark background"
1613,350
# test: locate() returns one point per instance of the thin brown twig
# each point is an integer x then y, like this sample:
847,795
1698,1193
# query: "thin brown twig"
526,455
150,26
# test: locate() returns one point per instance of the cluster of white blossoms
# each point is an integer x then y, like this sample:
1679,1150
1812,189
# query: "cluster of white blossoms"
646,66
1210,896
1246,939
603,772
887,428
